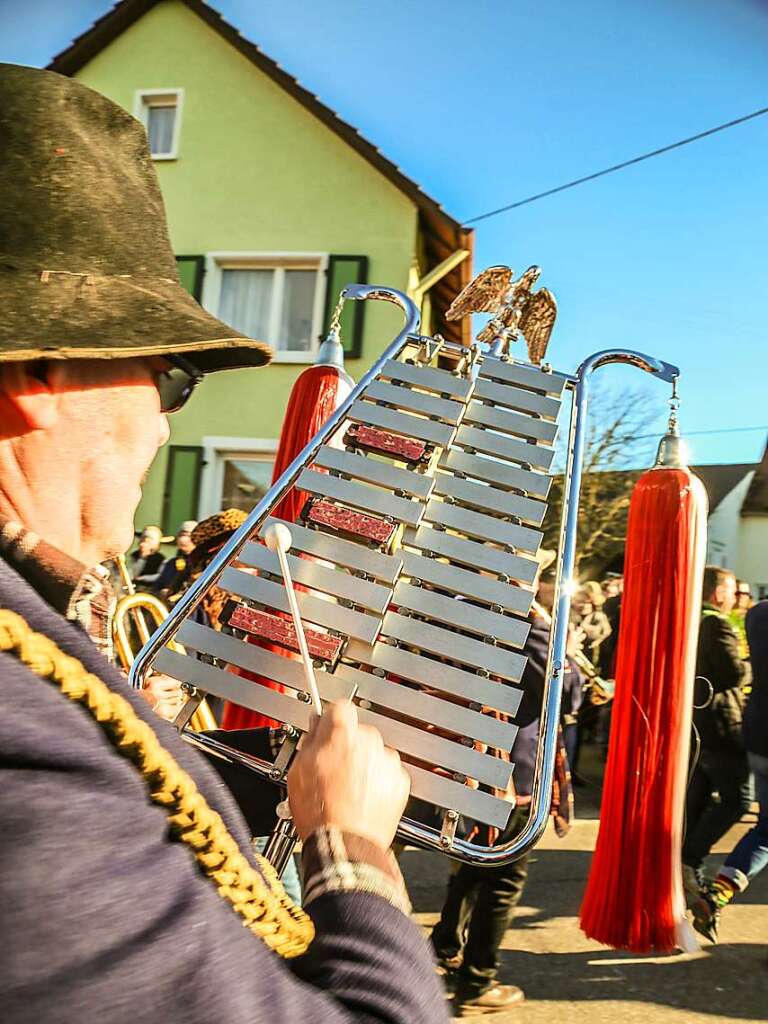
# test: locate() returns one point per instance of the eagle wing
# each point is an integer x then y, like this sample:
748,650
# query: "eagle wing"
537,321
483,294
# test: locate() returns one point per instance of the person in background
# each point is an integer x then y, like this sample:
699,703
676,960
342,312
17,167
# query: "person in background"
612,586
588,615
750,855
145,561
173,570
739,613
722,766
480,902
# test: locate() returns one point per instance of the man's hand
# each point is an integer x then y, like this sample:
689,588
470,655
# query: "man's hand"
163,694
344,777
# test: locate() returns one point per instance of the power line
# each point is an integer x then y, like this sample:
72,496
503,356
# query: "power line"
618,167
694,433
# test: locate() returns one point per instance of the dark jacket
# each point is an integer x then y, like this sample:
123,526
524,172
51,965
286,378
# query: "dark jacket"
171,575
756,711
528,717
143,571
719,661
105,919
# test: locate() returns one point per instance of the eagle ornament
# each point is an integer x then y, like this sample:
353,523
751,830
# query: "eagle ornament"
516,307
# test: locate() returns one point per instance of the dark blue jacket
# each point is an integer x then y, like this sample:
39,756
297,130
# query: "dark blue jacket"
532,683
756,711
105,920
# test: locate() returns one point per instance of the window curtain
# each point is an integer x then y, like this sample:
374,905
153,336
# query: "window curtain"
160,129
245,301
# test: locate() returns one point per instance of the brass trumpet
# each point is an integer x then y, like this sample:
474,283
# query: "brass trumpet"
133,608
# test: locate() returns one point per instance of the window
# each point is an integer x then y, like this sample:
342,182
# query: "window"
245,479
276,298
160,112
236,473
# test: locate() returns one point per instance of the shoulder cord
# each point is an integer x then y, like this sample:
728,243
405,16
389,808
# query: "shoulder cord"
258,898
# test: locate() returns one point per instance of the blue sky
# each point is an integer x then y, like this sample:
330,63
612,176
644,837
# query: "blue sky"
487,102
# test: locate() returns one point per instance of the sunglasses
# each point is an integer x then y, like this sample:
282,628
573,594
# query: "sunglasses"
176,384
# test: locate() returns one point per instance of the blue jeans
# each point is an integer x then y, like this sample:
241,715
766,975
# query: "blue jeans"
750,855
290,878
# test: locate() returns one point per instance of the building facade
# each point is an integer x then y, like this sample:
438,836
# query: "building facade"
273,205
737,536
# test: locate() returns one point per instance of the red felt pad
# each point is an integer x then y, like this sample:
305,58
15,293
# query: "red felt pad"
326,513
282,631
392,444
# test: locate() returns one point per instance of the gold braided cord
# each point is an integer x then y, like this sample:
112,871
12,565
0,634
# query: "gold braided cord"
259,898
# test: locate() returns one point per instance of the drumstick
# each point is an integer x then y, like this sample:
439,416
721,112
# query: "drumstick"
278,538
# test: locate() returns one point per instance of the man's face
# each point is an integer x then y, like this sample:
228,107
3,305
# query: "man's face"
147,546
184,543
725,594
111,427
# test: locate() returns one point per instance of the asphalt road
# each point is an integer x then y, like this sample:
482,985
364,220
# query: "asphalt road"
567,977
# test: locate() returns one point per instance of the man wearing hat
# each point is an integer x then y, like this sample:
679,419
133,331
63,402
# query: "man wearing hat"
146,561
174,570
127,887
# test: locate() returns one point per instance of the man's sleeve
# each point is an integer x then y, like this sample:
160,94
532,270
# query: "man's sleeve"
105,911
727,669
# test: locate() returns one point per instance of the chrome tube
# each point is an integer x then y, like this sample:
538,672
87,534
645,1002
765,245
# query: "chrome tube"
187,603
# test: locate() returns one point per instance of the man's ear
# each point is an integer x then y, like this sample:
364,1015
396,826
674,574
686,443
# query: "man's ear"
27,401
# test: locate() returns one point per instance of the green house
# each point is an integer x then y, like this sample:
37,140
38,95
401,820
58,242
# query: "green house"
273,204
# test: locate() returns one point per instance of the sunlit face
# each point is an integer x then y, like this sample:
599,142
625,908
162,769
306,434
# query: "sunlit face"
147,546
725,594
110,426
184,543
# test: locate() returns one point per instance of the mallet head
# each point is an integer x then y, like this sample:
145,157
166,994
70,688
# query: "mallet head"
277,537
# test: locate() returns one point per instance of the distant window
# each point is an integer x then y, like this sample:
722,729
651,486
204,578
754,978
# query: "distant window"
276,299
160,112
245,478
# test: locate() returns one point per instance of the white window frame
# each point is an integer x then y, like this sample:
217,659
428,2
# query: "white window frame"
217,262
212,476
142,101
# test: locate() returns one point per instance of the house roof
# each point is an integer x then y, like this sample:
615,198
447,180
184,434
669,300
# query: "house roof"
720,479
442,234
756,501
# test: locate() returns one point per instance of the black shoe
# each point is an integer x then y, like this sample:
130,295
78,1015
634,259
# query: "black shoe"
495,999
693,883
706,917
446,967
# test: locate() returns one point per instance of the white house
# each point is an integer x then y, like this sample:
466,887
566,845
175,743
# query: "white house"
738,520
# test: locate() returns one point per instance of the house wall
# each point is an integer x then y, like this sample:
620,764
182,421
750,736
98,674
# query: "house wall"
752,562
255,172
724,526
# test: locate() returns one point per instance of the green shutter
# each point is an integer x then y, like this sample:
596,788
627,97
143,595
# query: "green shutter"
182,485
191,271
346,270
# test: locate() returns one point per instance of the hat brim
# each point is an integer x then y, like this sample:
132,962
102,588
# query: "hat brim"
79,316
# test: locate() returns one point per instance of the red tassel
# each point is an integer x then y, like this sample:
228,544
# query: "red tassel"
634,898
315,396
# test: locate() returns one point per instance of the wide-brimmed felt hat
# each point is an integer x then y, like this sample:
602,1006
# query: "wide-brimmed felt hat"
86,265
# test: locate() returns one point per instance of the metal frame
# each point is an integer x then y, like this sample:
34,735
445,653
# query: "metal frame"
408,830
